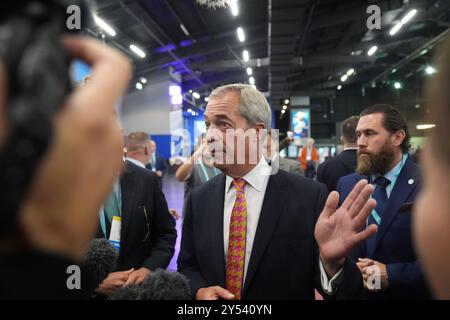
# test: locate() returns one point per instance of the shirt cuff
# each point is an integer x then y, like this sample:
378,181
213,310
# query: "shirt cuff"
329,286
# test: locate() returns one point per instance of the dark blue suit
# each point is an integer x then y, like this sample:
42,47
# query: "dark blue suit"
393,245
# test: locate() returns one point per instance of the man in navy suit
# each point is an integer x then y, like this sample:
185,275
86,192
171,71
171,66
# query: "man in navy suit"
253,233
334,168
157,163
387,260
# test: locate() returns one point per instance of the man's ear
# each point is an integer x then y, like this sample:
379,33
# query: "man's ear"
398,137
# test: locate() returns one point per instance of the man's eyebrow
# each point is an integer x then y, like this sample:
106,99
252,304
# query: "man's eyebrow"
223,117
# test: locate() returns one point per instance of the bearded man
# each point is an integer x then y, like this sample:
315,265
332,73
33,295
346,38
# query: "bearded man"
387,260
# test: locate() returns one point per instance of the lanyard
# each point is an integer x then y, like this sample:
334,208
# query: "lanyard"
205,173
153,162
118,192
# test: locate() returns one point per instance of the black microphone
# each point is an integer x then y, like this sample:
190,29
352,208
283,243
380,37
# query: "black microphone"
165,285
129,292
101,260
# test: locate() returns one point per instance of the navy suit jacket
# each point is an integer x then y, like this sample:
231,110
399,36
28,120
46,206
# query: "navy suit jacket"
394,245
160,165
334,168
284,262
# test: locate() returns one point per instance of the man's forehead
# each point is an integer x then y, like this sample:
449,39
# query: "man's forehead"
222,107
370,120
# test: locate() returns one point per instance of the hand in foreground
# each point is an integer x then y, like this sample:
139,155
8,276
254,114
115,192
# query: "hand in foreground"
138,276
113,282
60,214
339,230
214,293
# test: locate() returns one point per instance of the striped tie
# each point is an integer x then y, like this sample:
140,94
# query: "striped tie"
236,241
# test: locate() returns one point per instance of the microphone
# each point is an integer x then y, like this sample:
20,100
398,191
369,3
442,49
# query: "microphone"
101,260
161,285
129,292
165,285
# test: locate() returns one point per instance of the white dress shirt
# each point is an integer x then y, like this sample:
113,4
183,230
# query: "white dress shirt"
136,162
255,190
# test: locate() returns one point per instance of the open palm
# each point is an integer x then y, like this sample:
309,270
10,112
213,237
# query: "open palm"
339,230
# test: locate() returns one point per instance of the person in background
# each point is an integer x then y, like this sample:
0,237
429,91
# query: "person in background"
309,158
383,143
330,171
147,230
276,161
432,212
157,163
196,170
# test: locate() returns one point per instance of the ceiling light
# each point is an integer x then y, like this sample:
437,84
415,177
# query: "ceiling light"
234,7
240,34
344,78
206,99
430,70
425,126
139,86
143,80
350,72
138,51
408,16
396,28
249,71
196,95
176,99
185,31
251,80
286,101
284,107
189,110
339,87
105,26
174,90
245,55
397,85
283,111
372,50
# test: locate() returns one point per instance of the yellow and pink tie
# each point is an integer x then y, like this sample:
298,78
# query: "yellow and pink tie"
237,241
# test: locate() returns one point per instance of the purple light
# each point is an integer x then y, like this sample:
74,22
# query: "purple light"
174,90
176,99
169,47
186,43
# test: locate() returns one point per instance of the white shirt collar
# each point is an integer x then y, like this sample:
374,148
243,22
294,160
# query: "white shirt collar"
136,162
255,177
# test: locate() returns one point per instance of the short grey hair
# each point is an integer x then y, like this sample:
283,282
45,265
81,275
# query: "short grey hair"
253,104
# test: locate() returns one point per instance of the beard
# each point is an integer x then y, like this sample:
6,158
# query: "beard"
370,163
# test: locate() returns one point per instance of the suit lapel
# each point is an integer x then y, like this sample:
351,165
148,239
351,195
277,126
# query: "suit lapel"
128,192
215,207
402,189
273,204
